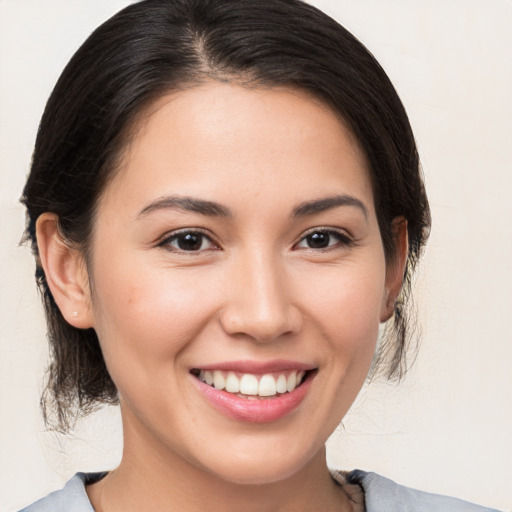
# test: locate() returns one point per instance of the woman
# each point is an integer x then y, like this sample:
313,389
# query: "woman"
225,204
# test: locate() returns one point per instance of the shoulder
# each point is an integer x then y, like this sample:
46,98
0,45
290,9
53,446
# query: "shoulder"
71,497
382,495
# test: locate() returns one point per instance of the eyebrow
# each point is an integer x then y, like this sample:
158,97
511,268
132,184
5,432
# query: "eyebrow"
212,209
327,203
189,204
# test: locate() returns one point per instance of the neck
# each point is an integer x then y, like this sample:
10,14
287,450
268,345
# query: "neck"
152,477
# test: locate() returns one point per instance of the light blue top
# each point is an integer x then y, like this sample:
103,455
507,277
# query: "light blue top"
381,495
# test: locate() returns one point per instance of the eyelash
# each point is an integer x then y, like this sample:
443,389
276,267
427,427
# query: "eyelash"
344,240
175,237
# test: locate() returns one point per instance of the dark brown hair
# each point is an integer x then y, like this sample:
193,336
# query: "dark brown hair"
156,46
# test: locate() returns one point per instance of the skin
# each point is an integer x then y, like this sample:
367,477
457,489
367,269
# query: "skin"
253,291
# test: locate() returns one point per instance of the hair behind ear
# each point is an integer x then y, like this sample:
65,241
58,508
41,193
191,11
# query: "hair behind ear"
74,385
400,323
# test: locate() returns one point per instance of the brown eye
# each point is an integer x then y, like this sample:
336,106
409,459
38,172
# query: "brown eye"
318,240
188,241
323,239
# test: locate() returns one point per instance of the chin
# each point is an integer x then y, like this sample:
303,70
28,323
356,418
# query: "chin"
264,467
262,473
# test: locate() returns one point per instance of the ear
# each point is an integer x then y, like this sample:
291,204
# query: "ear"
65,272
395,268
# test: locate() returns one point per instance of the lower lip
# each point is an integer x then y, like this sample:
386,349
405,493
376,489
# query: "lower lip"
263,410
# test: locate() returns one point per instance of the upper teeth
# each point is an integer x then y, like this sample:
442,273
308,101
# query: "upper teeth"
249,384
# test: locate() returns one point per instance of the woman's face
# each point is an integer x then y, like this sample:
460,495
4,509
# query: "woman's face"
238,243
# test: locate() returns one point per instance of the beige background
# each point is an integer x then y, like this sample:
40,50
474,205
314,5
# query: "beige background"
448,427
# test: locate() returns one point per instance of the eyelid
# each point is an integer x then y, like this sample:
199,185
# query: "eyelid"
346,239
165,240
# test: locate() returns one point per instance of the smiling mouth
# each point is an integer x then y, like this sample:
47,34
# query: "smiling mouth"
253,386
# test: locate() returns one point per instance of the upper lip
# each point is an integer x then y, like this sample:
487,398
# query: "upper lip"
257,367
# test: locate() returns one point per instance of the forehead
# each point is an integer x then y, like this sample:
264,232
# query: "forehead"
225,139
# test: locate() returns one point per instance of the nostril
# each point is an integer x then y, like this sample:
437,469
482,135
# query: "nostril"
261,326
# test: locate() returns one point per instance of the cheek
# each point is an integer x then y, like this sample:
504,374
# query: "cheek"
346,302
145,319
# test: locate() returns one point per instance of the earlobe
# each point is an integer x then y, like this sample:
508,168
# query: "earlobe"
65,272
395,269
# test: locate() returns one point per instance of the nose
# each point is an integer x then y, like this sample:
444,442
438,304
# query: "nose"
259,303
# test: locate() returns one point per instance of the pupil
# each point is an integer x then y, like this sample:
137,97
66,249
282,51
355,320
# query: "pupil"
318,240
190,242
